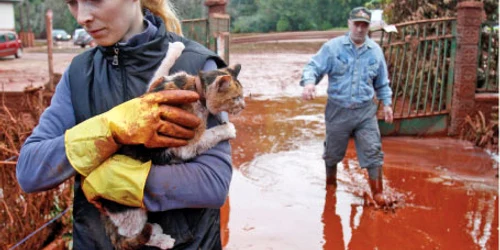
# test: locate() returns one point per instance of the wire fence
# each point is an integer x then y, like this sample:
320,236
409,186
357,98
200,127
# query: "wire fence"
22,214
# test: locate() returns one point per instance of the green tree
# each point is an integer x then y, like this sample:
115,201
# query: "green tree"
62,18
290,15
189,9
33,16
30,15
283,25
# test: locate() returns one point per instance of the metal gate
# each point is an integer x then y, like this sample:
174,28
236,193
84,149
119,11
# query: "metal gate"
487,58
420,59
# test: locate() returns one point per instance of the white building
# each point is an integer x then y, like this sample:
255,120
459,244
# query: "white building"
7,20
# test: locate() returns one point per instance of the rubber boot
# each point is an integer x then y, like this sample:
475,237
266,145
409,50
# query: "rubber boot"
377,186
331,174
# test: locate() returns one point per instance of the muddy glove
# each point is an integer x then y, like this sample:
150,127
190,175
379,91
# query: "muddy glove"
147,120
119,178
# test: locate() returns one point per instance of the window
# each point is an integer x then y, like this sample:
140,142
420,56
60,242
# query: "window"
11,37
2,38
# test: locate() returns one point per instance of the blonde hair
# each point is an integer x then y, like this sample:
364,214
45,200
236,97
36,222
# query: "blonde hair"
165,10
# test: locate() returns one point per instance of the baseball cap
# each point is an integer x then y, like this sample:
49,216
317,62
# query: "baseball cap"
361,14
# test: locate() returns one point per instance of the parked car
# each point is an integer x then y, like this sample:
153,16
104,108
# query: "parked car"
60,35
82,38
10,44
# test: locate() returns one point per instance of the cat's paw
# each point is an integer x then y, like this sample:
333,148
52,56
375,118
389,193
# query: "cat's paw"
156,229
160,240
176,45
165,241
175,49
230,130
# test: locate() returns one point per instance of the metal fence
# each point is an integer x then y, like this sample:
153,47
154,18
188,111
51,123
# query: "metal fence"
420,59
212,32
27,221
487,69
196,29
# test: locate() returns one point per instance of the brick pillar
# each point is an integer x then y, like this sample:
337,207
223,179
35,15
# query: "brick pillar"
469,19
218,28
216,6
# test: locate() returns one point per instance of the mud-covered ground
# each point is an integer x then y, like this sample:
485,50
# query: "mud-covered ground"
278,199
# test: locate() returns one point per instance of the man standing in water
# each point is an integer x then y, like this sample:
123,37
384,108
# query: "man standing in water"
356,70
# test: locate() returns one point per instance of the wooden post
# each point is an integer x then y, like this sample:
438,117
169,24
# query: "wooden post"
469,19
48,26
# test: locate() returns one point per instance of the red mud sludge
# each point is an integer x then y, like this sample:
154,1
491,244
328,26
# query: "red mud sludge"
278,198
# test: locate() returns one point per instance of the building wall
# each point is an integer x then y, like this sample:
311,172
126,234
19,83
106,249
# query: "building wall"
7,21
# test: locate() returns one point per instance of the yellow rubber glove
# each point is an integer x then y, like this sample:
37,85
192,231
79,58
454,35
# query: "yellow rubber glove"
120,178
148,120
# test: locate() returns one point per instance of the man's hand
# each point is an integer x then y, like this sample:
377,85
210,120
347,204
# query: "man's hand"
388,114
309,92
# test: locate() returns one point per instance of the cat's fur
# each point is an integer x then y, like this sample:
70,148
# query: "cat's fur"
219,91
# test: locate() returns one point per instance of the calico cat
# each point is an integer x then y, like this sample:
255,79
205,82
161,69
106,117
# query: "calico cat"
219,91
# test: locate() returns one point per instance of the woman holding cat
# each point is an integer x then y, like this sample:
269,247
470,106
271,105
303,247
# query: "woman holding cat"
97,107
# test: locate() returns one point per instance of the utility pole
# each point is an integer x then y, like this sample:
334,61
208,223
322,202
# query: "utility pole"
48,26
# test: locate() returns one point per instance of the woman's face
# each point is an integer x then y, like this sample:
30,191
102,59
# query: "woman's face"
108,21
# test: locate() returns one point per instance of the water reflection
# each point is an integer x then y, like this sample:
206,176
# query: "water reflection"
279,201
480,219
332,231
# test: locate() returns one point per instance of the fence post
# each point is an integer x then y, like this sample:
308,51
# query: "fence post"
48,27
218,28
469,19
216,6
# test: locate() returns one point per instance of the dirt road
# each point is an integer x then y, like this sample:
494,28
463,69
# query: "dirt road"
287,36
30,70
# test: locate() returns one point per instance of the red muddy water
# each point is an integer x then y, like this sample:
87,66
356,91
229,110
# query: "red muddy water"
278,198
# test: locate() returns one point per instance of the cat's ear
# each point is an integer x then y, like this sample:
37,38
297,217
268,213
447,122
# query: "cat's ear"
235,69
206,77
222,83
156,83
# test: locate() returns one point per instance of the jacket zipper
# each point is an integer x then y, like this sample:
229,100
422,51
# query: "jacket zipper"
124,80
116,62
115,56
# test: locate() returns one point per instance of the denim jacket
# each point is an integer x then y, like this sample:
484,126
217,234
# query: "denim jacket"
354,75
